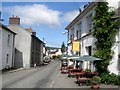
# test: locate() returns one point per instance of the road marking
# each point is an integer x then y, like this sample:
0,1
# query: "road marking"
53,82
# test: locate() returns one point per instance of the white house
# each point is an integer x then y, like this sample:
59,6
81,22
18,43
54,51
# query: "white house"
7,39
28,47
80,29
53,51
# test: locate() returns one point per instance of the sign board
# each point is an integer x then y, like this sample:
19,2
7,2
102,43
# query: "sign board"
76,46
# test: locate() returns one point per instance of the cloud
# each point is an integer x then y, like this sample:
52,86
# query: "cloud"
35,14
69,16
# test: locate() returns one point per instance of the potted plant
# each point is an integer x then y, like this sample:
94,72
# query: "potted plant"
96,80
87,70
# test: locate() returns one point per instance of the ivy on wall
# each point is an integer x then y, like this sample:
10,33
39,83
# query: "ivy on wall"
105,29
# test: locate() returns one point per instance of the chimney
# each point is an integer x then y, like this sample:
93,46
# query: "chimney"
34,33
14,20
29,29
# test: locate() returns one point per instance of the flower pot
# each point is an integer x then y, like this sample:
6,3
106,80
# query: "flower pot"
95,86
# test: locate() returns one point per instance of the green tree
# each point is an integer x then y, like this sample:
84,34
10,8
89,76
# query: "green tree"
105,29
63,48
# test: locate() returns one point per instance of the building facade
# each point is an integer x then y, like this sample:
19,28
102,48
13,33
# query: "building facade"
7,39
36,51
28,48
53,51
80,29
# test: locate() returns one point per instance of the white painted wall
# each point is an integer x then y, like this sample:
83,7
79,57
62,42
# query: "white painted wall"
113,67
7,49
69,49
59,52
22,45
90,40
85,42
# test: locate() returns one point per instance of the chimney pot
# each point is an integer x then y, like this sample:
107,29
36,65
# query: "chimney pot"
29,29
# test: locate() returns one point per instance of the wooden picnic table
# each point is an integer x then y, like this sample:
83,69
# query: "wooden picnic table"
73,72
85,77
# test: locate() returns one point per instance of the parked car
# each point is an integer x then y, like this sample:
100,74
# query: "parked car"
64,63
46,59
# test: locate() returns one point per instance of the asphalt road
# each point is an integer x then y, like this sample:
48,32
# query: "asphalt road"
39,77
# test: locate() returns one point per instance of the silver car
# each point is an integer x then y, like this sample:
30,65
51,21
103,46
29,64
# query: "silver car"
46,59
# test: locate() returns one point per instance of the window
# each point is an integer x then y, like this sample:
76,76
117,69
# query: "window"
70,37
90,22
71,52
8,40
89,50
80,29
7,58
77,34
73,37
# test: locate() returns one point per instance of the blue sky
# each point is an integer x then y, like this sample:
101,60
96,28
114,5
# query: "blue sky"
48,19
51,32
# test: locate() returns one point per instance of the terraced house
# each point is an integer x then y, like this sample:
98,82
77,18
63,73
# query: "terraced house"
7,49
80,30
28,47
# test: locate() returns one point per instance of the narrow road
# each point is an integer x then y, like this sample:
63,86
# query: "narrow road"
42,77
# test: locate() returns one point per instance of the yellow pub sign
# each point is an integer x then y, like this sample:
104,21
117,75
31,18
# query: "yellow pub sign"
76,46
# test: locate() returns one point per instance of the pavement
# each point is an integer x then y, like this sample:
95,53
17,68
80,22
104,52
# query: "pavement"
71,83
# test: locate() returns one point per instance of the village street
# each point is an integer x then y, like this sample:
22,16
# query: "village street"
39,77
47,76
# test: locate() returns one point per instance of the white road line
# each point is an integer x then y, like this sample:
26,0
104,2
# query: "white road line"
53,82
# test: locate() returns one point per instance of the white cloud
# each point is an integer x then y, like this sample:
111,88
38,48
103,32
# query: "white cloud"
113,3
35,14
69,16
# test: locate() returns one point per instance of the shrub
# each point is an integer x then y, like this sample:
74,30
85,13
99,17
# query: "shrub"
111,79
96,79
87,70
58,56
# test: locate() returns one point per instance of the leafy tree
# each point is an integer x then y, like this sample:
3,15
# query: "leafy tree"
63,48
105,30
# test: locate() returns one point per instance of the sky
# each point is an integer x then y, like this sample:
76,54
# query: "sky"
48,19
